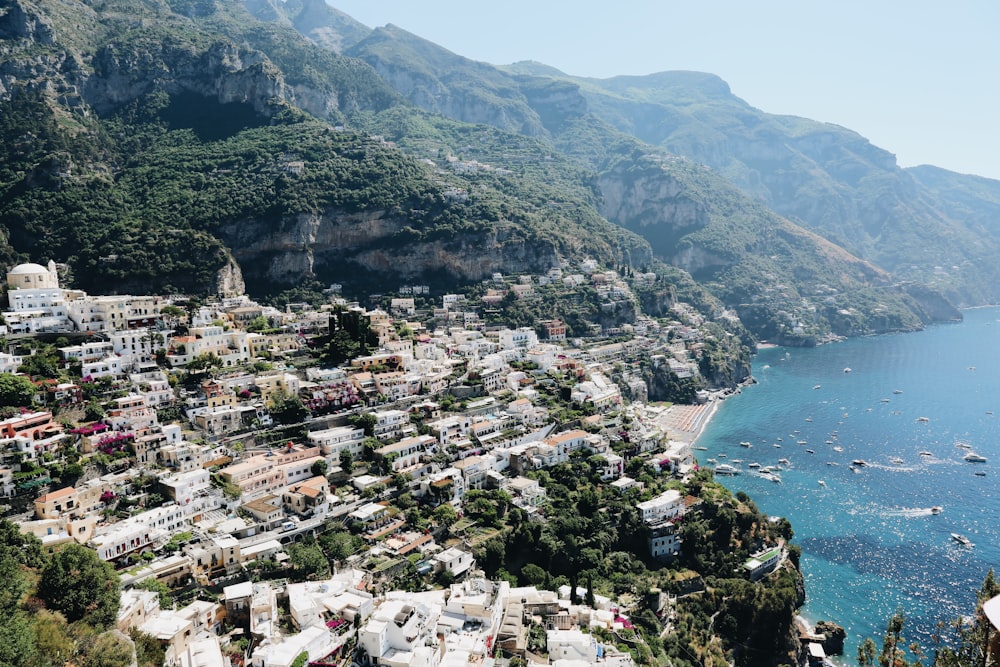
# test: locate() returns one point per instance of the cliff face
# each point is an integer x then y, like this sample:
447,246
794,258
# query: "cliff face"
346,247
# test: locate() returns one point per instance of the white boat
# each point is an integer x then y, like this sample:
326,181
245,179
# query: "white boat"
885,400
972,457
784,462
963,445
847,370
962,539
897,391
753,465
701,448
777,446
801,442
737,460
859,462
937,509
817,386
923,419
895,460
838,448
726,469
980,473
926,454
822,483
809,419
722,456
712,461
745,444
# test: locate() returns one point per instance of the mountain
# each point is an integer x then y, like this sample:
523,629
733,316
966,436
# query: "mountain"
199,148
810,279
824,177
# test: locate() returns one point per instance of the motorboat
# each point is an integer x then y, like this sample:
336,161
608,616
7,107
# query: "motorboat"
726,469
777,446
897,391
745,444
712,461
810,451
784,462
822,483
838,448
859,462
972,457
817,386
753,465
847,370
923,419
895,460
926,454
801,442
962,539
937,509
980,473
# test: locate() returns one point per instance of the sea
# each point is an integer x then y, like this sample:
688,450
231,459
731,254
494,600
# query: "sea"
911,406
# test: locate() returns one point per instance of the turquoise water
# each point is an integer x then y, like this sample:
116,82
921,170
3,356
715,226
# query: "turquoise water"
870,542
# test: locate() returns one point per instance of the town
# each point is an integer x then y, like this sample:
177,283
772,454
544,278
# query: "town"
330,484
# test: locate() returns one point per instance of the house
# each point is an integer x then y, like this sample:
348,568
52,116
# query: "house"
308,498
406,453
763,562
667,505
455,560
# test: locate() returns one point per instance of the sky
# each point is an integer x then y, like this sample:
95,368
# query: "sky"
920,79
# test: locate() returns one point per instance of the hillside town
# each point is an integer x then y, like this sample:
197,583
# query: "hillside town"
326,481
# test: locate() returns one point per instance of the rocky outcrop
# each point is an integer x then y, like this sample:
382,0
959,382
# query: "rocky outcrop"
229,280
835,636
124,71
342,247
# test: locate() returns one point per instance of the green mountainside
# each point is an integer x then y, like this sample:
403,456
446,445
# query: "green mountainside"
214,145
172,152
775,273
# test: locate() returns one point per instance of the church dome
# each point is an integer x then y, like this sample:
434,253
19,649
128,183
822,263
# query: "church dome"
27,269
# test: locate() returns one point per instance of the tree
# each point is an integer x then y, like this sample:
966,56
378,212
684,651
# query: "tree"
346,461
16,390
308,561
80,585
286,408
109,650
319,469
258,324
148,651
53,639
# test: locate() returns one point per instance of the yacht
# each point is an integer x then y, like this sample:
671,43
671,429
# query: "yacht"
726,469
777,446
801,442
923,419
926,454
972,457
753,465
897,391
784,462
745,444
962,539
859,462
817,386
838,448
847,370
712,461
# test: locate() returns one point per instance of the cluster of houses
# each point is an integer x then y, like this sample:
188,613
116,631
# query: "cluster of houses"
224,501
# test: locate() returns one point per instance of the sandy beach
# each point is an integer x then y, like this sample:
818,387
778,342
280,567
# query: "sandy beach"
686,422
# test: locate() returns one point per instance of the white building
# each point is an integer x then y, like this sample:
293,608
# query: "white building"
667,505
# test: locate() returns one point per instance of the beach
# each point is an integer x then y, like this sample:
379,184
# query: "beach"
685,423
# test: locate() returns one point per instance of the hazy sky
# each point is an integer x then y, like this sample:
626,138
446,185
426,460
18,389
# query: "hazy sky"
918,78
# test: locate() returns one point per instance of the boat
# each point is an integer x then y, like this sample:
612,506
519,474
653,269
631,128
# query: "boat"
712,461
859,462
980,473
726,469
831,463
817,386
776,445
784,462
737,460
895,460
778,439
963,445
937,509
847,370
722,456
801,442
822,483
897,391
838,448
829,442
972,457
810,451
923,419
745,444
885,400
962,539
926,454
701,448
753,465
809,419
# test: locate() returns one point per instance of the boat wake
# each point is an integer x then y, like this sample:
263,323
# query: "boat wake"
910,512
